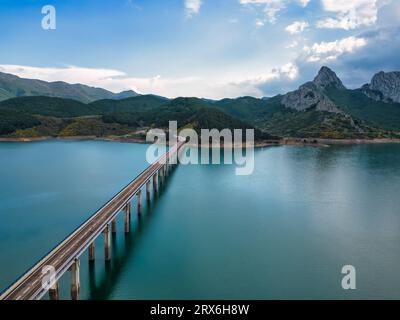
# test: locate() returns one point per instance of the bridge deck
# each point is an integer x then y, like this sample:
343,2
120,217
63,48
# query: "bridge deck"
29,286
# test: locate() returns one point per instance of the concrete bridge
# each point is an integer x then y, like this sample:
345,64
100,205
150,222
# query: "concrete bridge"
44,276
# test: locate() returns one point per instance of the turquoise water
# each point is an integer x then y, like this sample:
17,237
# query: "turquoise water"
283,232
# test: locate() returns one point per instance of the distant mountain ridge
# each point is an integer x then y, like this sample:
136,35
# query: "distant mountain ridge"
321,108
12,86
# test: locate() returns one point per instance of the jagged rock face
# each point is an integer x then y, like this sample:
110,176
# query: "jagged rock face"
326,78
309,95
312,94
388,84
372,94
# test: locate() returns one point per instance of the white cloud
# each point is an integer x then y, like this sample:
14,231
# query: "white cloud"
265,83
113,80
297,27
259,23
192,7
304,3
116,81
326,51
70,74
350,14
271,8
287,71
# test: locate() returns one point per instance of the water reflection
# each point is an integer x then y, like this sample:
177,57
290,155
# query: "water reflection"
101,285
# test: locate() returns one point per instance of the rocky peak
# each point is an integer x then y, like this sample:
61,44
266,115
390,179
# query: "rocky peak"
387,83
326,78
309,96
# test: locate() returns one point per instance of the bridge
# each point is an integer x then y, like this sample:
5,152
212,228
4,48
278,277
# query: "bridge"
43,276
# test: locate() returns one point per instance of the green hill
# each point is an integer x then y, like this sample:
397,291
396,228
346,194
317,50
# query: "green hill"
12,86
188,112
134,104
11,121
322,108
377,113
47,106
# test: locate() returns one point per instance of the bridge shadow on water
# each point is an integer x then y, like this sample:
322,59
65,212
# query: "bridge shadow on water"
101,284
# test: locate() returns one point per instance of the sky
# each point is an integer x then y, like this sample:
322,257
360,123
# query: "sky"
205,48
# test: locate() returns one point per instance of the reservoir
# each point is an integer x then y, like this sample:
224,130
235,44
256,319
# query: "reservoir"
284,232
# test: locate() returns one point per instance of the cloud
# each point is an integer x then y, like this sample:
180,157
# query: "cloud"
70,74
297,27
326,51
350,14
278,80
304,3
116,81
271,8
110,79
288,71
380,53
192,7
259,23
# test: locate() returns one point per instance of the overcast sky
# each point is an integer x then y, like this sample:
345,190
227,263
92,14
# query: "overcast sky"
204,48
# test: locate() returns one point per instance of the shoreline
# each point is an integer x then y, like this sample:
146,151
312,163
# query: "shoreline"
316,142
323,142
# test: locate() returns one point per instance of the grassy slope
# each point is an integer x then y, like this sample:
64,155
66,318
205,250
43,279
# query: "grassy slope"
378,114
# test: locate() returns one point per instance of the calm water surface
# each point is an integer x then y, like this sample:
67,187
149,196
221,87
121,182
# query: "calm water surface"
283,232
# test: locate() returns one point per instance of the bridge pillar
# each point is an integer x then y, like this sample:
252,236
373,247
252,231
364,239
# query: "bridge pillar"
155,182
160,176
114,225
91,252
127,217
54,291
75,280
139,202
107,247
148,194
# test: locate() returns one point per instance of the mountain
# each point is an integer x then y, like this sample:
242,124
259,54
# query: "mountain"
48,106
12,86
188,112
246,108
312,94
384,87
321,108
327,79
11,120
123,95
325,108
378,114
134,104
48,116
